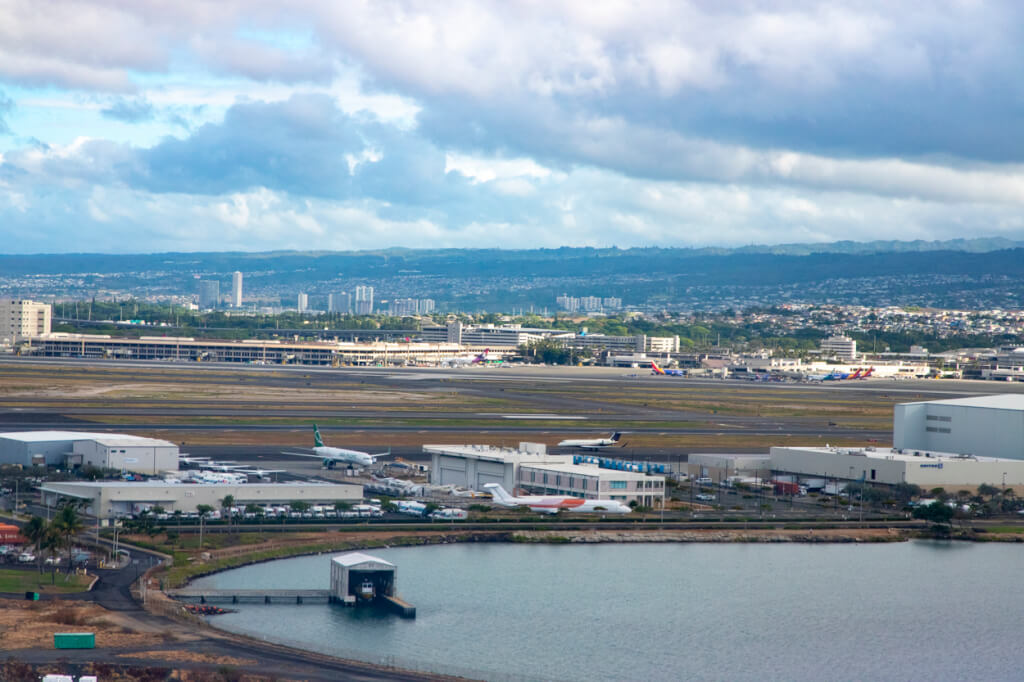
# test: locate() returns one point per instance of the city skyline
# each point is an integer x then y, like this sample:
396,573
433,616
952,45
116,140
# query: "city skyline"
504,124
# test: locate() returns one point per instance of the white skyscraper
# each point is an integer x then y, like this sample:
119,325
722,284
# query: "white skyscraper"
303,302
236,289
364,300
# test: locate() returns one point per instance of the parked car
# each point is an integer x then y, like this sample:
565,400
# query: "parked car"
26,557
704,497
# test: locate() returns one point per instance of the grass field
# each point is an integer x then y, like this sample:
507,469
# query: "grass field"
13,580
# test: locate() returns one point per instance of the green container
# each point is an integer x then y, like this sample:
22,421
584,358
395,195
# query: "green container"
74,640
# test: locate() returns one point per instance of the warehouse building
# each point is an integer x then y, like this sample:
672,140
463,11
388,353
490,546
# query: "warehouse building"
988,426
892,466
71,449
113,499
723,467
471,466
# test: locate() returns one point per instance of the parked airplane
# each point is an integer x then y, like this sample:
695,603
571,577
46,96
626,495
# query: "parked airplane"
411,507
592,443
552,504
464,360
450,513
263,474
332,456
666,372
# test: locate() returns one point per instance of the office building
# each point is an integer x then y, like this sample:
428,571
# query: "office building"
236,289
209,294
303,302
532,470
363,300
23,320
339,303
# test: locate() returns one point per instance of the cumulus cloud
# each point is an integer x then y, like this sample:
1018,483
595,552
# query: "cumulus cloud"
661,121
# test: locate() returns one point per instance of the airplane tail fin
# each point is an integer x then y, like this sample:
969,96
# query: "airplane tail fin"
317,441
498,492
615,437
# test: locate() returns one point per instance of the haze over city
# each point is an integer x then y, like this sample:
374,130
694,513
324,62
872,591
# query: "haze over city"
254,126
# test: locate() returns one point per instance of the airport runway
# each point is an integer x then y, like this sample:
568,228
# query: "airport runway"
517,403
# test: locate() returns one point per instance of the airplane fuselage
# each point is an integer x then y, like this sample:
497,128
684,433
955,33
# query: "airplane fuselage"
330,454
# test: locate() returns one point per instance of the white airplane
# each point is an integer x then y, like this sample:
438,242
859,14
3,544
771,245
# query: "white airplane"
411,507
552,504
450,513
592,443
332,456
259,473
467,360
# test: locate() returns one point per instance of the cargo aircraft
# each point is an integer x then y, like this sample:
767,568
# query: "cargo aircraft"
332,456
592,443
552,504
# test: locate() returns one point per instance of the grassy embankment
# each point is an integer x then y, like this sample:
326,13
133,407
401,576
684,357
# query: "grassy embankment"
12,580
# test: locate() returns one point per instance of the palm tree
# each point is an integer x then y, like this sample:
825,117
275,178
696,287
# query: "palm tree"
68,524
226,504
202,510
38,532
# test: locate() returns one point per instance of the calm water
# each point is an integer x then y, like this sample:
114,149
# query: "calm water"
902,611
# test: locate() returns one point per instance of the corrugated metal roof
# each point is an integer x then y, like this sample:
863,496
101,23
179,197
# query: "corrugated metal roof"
48,436
355,558
70,436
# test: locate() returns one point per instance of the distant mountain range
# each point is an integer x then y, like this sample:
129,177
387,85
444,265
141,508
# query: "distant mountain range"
957,273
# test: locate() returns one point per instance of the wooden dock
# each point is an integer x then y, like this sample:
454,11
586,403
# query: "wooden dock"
399,606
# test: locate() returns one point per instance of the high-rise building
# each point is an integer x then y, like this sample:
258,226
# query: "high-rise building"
209,293
364,300
339,303
23,320
236,289
303,302
840,346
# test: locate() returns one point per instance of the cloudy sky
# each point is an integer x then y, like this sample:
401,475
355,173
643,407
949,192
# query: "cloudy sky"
133,126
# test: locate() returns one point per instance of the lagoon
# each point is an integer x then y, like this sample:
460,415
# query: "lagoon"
893,611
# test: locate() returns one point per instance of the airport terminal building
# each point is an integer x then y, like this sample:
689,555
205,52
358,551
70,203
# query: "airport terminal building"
114,499
71,449
988,426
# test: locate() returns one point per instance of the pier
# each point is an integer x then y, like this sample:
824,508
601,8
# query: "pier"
211,596
356,578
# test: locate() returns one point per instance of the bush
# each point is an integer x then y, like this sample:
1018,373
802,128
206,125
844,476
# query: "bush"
68,616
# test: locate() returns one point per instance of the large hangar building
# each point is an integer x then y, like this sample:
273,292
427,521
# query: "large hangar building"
69,449
112,499
987,426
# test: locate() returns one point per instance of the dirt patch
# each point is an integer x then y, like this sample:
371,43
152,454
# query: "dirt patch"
29,625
